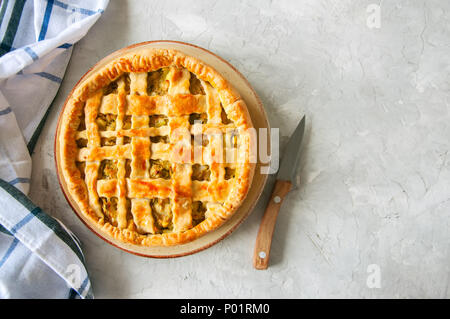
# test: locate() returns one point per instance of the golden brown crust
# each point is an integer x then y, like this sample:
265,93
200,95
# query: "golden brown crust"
222,197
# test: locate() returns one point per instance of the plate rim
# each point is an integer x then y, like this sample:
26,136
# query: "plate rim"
98,234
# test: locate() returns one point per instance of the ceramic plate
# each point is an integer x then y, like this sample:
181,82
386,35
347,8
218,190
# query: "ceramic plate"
259,119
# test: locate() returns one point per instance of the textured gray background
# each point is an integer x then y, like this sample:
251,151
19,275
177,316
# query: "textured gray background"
375,170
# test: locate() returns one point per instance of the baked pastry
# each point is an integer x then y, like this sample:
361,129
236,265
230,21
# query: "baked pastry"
155,148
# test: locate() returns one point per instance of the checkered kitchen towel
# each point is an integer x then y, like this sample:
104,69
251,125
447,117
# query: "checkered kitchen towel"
39,256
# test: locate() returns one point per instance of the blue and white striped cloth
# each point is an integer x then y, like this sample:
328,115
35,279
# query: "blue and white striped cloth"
39,256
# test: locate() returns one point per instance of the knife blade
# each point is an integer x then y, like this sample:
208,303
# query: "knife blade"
285,178
289,162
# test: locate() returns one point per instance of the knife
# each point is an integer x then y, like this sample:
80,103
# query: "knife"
285,178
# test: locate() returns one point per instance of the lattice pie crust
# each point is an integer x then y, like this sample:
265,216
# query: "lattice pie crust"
154,148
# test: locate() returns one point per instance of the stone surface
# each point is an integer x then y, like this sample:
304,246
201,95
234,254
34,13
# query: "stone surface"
375,173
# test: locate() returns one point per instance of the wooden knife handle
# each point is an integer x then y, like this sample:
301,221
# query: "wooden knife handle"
265,233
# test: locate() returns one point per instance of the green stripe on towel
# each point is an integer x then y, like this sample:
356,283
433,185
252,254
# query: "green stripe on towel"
4,230
3,10
13,24
49,221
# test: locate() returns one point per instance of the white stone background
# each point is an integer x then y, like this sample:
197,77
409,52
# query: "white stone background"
375,169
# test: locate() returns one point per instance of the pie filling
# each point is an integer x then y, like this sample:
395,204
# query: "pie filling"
139,185
200,172
109,209
106,122
162,213
157,82
198,212
107,170
160,169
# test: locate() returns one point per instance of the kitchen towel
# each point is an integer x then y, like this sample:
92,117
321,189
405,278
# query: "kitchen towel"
39,256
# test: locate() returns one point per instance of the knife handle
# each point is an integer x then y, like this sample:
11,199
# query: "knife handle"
265,233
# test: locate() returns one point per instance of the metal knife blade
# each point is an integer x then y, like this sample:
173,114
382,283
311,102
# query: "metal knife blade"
289,162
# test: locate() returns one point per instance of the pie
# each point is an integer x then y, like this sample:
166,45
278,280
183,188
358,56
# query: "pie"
155,148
